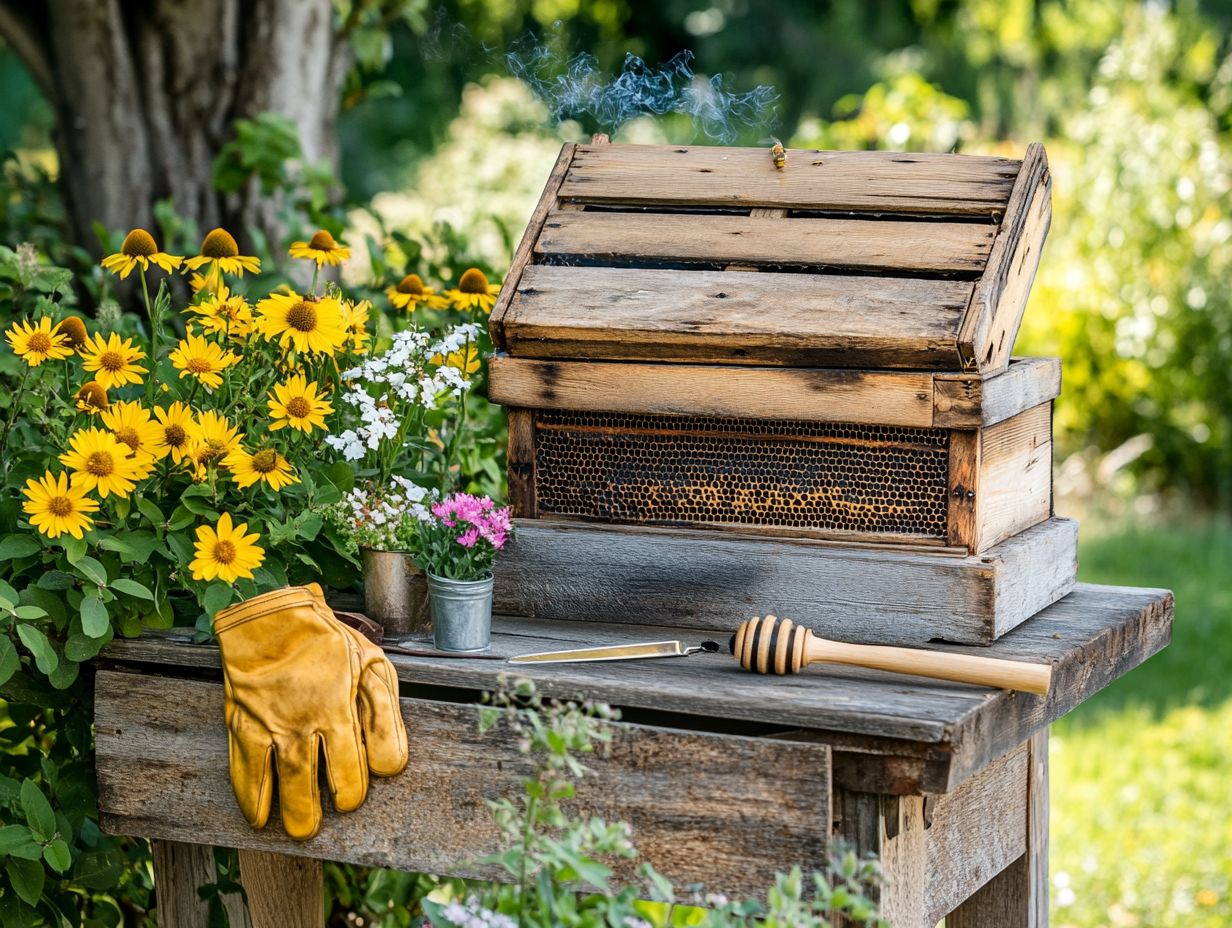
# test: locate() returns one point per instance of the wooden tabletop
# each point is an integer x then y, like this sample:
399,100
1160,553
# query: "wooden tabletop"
927,735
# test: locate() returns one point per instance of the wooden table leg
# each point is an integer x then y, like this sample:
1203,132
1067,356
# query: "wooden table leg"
1017,897
180,869
283,891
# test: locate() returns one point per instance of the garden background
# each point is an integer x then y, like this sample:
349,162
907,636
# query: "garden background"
446,122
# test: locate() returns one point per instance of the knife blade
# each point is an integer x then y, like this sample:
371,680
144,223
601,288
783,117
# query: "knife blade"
617,652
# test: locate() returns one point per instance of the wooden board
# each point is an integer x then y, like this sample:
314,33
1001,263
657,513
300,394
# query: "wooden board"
908,398
736,317
701,805
889,733
696,579
812,179
941,248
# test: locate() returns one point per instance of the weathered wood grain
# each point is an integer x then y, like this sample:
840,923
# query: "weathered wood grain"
811,179
520,463
853,244
991,323
701,806
735,317
180,869
283,891
963,401
696,579
1014,490
522,257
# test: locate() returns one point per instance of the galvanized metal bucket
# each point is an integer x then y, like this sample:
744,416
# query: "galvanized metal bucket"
395,593
461,613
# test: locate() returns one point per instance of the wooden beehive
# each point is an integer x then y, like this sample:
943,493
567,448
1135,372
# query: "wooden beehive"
819,355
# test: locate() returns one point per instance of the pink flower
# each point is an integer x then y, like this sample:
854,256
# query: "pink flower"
468,538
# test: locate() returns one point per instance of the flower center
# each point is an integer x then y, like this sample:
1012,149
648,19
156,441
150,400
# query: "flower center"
411,284
210,450
60,506
265,461
174,435
100,464
224,552
111,361
139,244
199,366
39,342
219,244
473,281
298,407
130,437
322,241
302,317
74,329
93,395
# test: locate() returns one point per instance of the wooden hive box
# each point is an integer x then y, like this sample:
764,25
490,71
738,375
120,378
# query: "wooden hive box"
736,388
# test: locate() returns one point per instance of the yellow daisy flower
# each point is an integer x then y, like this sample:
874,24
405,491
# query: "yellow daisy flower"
130,422
267,464
211,439
92,397
410,293
225,552
56,506
224,313
466,359
355,319
220,251
175,426
139,250
201,359
113,360
473,290
101,461
37,343
74,329
306,324
297,404
322,249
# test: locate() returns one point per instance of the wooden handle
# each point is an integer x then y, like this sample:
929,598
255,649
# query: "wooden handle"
772,645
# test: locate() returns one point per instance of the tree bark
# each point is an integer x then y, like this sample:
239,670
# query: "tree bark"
146,93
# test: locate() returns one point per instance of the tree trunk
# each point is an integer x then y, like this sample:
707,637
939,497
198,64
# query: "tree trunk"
146,93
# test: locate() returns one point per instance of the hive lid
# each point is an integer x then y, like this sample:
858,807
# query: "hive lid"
838,259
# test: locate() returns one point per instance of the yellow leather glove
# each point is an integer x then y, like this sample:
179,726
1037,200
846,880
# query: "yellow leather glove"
297,681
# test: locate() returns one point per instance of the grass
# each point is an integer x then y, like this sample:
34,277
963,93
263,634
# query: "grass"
1142,773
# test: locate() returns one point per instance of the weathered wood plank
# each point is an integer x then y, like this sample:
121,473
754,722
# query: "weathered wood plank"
811,179
522,257
701,806
991,323
1014,490
694,579
854,244
736,317
964,401
180,869
520,463
283,891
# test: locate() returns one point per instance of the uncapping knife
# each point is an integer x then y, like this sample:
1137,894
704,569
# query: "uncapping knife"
617,652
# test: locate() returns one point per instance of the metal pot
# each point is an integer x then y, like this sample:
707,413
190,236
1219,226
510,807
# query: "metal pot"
461,613
395,592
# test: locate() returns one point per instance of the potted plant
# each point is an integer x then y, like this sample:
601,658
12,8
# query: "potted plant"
457,545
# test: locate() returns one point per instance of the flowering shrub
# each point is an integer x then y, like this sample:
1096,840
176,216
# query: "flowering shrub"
461,538
381,517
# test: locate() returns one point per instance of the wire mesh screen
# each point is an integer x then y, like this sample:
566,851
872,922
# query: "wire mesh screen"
672,470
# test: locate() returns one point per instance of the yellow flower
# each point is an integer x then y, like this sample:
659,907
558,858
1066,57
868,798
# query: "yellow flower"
296,403
225,552
175,426
322,249
466,360
139,250
410,293
211,439
101,461
72,328
113,360
224,313
220,251
130,422
304,323
355,318
474,290
267,464
201,359
92,397
37,343
55,506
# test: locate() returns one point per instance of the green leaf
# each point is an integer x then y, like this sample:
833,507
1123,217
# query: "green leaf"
38,645
199,506
308,525
94,618
16,914
181,518
64,675
15,546
74,548
92,569
8,593
17,841
150,511
82,647
39,817
26,878
29,612
135,547
9,660
57,856
132,588
98,869
56,580
217,597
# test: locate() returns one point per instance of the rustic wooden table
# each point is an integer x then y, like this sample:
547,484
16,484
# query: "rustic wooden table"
726,777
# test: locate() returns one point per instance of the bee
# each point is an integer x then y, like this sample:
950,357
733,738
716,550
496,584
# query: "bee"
778,154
